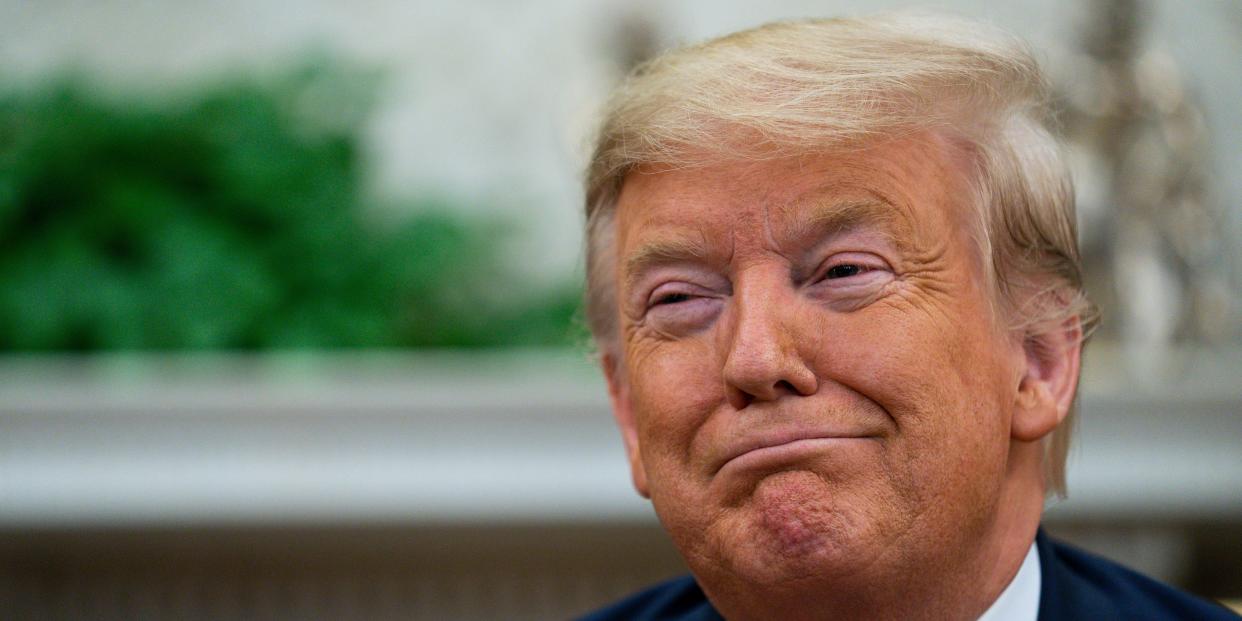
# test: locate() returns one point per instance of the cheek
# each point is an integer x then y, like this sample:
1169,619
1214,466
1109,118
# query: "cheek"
675,387
939,380
949,429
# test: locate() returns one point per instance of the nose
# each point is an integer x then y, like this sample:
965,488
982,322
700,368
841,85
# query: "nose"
763,362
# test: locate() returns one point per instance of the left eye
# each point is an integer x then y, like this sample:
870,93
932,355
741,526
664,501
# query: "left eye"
844,270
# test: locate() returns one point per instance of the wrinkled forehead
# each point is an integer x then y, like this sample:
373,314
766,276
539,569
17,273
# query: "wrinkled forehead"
899,187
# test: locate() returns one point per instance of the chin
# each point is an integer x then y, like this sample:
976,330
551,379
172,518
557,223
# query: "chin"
795,526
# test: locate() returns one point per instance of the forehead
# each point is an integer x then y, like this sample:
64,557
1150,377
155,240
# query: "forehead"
907,188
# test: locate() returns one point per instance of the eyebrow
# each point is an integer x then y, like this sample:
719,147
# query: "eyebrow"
826,218
662,252
816,219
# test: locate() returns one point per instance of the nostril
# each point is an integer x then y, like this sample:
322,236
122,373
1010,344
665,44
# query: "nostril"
739,399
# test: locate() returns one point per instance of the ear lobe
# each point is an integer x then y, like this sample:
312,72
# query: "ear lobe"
619,396
1046,389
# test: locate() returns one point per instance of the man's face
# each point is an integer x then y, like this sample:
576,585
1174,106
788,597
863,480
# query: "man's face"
808,376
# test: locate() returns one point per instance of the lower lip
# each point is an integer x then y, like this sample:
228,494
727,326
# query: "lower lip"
780,454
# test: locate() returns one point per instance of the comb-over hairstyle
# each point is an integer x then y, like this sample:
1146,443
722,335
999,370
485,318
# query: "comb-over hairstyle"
804,87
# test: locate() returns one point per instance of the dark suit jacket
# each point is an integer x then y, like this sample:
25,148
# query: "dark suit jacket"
1074,585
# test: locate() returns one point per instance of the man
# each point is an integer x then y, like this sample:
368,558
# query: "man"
834,282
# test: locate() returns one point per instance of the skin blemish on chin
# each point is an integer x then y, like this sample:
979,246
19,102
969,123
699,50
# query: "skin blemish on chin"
792,512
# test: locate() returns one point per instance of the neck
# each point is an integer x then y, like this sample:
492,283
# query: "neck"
955,581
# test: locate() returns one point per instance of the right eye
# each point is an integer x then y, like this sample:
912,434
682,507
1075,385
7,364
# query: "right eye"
672,294
677,309
671,298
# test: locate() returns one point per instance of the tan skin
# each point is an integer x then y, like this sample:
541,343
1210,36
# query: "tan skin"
815,393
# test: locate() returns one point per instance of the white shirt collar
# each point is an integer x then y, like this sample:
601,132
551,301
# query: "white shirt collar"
1020,600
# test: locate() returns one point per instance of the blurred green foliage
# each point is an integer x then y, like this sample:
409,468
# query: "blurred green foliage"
234,217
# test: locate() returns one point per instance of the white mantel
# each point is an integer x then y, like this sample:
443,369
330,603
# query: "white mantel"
510,437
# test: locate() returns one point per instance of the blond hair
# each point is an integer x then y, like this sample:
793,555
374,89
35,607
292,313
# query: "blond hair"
800,87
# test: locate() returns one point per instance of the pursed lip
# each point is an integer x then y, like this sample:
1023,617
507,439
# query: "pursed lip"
792,439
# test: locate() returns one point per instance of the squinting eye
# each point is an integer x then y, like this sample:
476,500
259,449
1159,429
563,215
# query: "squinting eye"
844,270
671,298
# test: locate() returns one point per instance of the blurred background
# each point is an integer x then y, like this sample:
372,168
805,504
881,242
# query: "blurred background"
289,301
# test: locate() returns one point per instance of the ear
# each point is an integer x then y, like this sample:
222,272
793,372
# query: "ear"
1047,386
619,395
